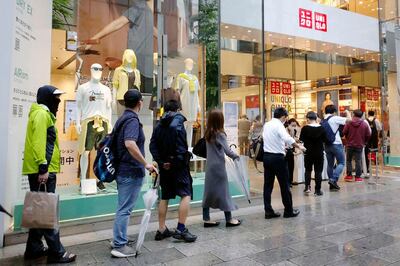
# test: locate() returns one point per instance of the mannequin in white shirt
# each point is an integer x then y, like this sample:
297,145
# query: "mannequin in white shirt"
93,104
188,86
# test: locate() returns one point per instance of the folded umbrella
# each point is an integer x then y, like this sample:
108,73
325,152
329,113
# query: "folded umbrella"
4,211
237,171
149,198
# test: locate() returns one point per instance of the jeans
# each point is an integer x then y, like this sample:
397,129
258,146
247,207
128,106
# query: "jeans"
357,154
318,163
128,192
334,151
52,236
206,215
276,165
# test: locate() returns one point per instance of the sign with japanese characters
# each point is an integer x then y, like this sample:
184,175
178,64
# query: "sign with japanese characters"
69,163
275,87
306,20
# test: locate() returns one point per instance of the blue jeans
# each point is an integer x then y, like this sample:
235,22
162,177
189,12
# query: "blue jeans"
128,192
333,152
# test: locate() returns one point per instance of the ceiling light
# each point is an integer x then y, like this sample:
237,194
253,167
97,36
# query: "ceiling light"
226,27
273,43
270,35
361,2
233,37
324,44
354,50
249,31
322,51
336,53
291,46
254,40
307,40
339,47
289,38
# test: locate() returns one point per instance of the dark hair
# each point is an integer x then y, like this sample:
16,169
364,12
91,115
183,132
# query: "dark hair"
371,113
311,115
258,118
215,124
330,109
291,120
358,113
280,112
132,98
171,106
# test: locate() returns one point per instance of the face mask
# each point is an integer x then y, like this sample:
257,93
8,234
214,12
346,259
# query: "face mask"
54,106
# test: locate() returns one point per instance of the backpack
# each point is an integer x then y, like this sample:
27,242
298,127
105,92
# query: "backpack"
373,141
330,135
105,165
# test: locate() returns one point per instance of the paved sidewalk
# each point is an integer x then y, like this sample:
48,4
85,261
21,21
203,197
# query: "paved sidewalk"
359,225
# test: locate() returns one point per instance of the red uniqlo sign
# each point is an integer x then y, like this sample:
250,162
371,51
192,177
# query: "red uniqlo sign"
275,87
305,18
320,21
286,88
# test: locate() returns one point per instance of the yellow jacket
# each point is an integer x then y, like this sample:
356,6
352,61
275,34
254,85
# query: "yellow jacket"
120,79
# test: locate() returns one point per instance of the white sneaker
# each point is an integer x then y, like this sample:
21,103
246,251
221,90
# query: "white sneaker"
131,243
123,252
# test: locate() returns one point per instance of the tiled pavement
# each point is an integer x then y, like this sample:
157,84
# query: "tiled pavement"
359,225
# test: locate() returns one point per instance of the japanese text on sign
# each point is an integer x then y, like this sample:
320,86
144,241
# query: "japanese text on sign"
305,18
320,22
286,88
275,87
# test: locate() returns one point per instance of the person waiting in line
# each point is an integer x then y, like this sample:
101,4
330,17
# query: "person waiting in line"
376,134
129,149
357,134
41,163
169,148
313,136
335,150
292,127
244,126
256,128
216,185
275,139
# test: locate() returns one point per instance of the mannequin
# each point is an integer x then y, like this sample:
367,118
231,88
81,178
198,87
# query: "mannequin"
94,115
188,86
126,77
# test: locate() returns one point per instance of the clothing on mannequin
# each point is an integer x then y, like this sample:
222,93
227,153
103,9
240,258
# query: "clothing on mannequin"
188,86
94,102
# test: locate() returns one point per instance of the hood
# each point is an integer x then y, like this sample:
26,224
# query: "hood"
356,122
168,117
129,53
37,107
45,95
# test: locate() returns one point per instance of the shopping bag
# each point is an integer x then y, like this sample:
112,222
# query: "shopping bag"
88,186
41,210
298,171
325,169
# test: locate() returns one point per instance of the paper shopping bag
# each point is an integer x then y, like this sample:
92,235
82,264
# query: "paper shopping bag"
41,210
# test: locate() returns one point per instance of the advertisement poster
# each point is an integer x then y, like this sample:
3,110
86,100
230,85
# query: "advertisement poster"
231,115
69,164
252,106
325,98
280,96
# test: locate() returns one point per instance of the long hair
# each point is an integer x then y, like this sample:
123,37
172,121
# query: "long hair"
215,125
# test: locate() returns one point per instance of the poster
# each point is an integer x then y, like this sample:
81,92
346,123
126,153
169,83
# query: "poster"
252,106
280,96
231,115
325,98
70,114
69,164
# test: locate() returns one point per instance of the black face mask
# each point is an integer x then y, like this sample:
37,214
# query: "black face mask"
45,96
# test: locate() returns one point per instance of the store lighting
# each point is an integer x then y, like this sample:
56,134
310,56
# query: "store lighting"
226,27
354,50
324,44
249,31
254,40
233,37
270,35
289,38
361,2
273,43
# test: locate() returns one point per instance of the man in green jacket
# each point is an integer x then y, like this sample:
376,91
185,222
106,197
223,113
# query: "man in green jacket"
41,163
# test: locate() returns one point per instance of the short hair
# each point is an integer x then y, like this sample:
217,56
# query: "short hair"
132,98
358,113
371,113
311,115
280,112
330,109
171,106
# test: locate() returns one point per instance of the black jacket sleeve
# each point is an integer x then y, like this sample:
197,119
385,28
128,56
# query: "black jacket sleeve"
154,149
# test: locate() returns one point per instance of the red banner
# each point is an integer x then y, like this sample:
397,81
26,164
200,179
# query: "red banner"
252,101
286,88
275,87
305,18
320,21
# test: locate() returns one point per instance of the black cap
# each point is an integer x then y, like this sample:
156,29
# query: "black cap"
132,98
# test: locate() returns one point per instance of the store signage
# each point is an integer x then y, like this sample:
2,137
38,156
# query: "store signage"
284,88
275,87
281,95
306,20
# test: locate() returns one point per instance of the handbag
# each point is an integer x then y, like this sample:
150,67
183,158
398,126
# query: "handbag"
41,210
200,149
258,152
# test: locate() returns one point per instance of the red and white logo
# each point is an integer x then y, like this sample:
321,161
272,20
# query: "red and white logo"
305,18
320,21
309,20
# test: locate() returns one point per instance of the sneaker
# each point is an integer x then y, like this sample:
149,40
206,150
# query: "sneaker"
100,186
348,178
123,252
307,190
160,236
318,193
131,243
185,235
359,179
333,186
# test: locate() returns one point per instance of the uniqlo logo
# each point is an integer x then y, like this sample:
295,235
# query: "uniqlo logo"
320,21
286,88
275,87
305,18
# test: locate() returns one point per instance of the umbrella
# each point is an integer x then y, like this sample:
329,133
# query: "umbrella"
4,210
149,198
237,171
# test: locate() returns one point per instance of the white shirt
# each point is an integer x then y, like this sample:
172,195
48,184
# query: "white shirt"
276,137
378,124
335,122
93,99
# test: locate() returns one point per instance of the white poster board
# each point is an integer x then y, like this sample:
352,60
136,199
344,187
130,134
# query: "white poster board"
231,117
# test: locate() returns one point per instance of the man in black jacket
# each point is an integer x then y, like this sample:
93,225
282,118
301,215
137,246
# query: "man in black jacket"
170,150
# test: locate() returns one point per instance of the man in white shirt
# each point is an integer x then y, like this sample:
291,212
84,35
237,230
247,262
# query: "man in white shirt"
275,139
335,151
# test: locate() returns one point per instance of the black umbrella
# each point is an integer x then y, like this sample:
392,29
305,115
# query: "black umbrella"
6,212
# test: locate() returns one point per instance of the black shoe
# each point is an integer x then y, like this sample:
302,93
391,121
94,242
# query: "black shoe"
160,236
318,193
272,215
229,224
100,186
66,258
36,255
210,224
294,213
333,185
185,235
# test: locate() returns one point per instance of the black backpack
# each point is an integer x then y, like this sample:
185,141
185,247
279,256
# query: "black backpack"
373,141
